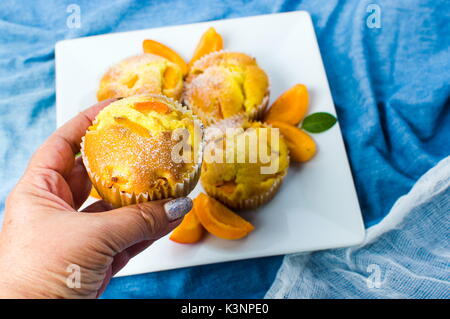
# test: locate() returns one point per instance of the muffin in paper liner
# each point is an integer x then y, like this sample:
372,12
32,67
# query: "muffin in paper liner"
207,118
264,186
119,198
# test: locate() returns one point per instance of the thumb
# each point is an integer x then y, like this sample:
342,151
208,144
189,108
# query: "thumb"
129,225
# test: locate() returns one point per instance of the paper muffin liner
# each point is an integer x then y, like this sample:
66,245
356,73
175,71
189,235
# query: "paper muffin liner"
255,114
247,203
119,198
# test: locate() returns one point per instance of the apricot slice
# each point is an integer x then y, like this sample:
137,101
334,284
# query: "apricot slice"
210,41
155,47
171,78
290,107
190,230
132,126
219,220
145,107
228,187
301,146
94,193
131,80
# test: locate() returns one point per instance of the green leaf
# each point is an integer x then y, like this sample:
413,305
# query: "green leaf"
318,122
77,154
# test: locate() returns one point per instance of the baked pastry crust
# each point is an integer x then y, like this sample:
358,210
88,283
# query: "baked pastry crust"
141,74
243,184
223,84
129,150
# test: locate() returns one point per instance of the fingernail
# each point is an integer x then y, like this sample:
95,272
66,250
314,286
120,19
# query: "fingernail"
177,208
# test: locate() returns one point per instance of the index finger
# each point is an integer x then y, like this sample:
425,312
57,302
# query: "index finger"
58,151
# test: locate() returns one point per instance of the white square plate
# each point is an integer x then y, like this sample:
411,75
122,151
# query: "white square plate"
316,207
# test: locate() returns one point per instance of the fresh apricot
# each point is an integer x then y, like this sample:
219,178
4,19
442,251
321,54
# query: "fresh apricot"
190,230
301,146
210,41
155,47
290,107
220,220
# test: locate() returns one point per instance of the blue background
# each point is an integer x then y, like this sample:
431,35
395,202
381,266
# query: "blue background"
390,86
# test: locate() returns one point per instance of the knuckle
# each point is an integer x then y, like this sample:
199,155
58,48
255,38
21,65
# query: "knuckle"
45,179
151,217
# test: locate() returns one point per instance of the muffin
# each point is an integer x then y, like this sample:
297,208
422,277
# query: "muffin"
141,74
244,162
143,148
223,84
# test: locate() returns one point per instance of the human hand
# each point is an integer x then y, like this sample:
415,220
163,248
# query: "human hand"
44,238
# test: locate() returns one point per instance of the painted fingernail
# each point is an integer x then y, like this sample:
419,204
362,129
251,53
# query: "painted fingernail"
177,208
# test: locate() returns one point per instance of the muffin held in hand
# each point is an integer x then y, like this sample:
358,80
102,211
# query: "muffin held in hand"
141,74
223,84
244,162
143,148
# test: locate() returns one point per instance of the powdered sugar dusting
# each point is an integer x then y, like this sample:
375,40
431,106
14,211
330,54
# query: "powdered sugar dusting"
215,88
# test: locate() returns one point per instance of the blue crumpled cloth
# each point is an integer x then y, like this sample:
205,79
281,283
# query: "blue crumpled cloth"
390,86
406,255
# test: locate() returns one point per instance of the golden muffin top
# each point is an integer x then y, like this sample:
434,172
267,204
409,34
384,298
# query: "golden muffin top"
245,168
131,144
223,84
141,74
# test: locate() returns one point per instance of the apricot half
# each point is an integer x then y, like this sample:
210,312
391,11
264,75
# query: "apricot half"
301,146
290,107
210,41
155,47
219,220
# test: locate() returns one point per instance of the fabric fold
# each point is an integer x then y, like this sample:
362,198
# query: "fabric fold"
406,255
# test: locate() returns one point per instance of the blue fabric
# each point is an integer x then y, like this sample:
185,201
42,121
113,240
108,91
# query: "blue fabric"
390,86
406,255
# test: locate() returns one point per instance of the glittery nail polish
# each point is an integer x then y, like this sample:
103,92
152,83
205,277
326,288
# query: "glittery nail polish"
177,208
